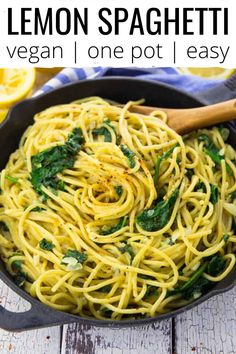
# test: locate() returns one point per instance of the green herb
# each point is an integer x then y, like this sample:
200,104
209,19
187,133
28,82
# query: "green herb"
105,312
3,227
48,163
119,190
103,131
212,150
161,194
158,163
216,265
105,289
128,249
151,291
225,238
129,155
189,173
74,259
191,281
198,284
114,228
20,278
156,218
12,179
46,245
38,209
16,265
214,191
200,186
201,286
214,194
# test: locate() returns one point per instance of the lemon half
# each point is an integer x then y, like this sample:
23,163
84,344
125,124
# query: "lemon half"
15,84
214,73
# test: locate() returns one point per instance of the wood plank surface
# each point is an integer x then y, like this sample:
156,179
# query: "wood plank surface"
41,341
209,328
155,338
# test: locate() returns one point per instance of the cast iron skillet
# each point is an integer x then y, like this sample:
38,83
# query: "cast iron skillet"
121,90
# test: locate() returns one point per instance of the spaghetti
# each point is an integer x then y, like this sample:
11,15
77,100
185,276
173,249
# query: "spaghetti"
111,214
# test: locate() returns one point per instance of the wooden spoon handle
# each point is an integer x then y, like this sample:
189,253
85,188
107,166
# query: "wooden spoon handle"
186,120
190,119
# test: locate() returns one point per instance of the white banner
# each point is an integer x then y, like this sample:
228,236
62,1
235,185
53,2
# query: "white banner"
118,33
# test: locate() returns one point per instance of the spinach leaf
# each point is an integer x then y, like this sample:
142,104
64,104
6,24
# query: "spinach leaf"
103,131
46,164
201,286
198,284
214,193
38,209
129,154
225,237
106,312
16,265
189,173
75,141
216,265
191,281
20,278
158,163
200,186
46,245
79,256
212,150
151,291
3,227
12,179
128,248
114,228
119,190
156,218
105,289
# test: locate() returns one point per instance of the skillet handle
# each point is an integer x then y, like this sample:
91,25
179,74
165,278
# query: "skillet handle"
222,92
37,317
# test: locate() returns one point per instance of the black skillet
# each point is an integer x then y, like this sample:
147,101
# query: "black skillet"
119,89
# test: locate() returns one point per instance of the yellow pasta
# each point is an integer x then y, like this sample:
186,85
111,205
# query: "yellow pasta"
112,214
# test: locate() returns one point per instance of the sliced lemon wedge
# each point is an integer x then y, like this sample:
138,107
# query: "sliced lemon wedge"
3,113
214,73
15,84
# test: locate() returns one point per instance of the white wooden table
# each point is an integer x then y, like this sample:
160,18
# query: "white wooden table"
209,328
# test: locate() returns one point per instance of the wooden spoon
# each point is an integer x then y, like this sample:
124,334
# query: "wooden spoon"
187,120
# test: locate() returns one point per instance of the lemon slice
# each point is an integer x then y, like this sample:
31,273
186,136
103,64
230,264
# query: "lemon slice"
214,73
3,113
15,84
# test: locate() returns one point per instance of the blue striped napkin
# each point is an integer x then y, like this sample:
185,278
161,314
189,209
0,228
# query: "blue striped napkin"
188,83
